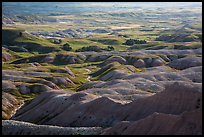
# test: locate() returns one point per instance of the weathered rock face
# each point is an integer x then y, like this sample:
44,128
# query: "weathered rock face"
65,70
123,98
187,123
115,74
38,88
24,89
48,83
173,99
185,63
86,109
69,59
8,86
139,63
11,127
172,57
96,58
6,56
9,105
21,76
61,81
38,59
34,88
157,62
120,60
193,73
165,58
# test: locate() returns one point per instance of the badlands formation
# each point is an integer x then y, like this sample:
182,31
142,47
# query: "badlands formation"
101,68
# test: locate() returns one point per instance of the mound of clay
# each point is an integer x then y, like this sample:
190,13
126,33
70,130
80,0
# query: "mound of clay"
185,63
157,62
96,58
34,88
64,59
9,105
8,86
139,63
6,56
118,59
47,83
65,70
193,73
12,127
22,76
114,74
85,109
188,123
39,59
60,80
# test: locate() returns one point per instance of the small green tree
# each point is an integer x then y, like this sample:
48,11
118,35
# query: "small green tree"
110,48
66,47
90,48
130,42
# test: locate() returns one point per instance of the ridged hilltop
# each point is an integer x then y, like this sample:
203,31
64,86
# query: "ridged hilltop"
87,110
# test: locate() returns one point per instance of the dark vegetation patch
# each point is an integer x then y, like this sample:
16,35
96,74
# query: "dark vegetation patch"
67,47
95,48
131,42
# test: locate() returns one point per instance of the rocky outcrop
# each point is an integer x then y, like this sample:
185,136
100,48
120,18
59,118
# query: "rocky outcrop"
8,86
34,88
187,123
38,59
9,105
114,74
157,62
185,63
65,70
11,127
64,59
139,63
118,59
85,109
6,56
60,81
22,76
96,58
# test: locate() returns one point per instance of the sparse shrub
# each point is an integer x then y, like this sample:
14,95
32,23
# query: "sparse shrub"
110,48
129,42
132,42
90,48
67,47
199,37
20,34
